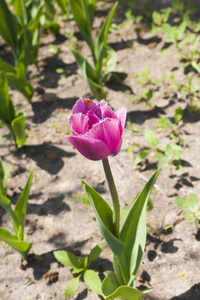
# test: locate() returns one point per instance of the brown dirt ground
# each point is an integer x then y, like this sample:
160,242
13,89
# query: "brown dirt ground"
55,220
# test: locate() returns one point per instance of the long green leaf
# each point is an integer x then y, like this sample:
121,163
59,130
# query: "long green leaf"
21,12
133,231
82,23
102,37
104,217
8,27
18,127
10,239
21,207
6,204
7,110
20,84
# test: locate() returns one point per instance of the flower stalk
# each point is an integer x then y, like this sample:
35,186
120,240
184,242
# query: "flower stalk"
114,196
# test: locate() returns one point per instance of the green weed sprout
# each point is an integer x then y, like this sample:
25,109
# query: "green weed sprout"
81,269
191,209
18,216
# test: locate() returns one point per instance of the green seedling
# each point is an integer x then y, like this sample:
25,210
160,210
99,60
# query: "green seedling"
191,209
18,216
165,123
81,269
166,156
104,57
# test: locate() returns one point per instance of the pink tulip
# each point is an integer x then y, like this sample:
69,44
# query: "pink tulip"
97,129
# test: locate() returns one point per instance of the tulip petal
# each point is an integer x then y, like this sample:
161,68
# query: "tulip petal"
82,106
79,123
106,110
89,147
109,131
121,115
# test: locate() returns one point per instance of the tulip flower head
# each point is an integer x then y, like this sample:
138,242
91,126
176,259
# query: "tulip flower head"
97,129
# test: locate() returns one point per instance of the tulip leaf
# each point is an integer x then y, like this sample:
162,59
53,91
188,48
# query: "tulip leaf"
93,281
8,26
112,290
104,217
10,239
79,9
102,37
21,206
20,84
18,126
133,231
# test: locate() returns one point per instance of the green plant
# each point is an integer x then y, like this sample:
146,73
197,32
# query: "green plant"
21,32
104,57
18,216
11,117
176,127
191,209
169,155
81,269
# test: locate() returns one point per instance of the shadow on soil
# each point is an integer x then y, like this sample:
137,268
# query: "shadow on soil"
192,294
47,156
43,110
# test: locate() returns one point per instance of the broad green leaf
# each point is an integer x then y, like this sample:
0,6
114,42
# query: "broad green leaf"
2,172
162,164
81,21
85,68
72,286
68,259
6,67
188,217
161,157
20,84
88,74
194,203
183,203
8,26
157,18
18,126
10,239
104,217
178,114
7,110
93,281
63,5
101,40
20,10
95,252
6,204
133,231
84,261
141,156
150,137
21,207
112,290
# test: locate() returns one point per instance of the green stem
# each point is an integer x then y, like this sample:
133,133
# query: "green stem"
114,196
